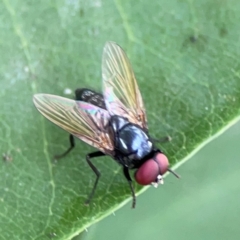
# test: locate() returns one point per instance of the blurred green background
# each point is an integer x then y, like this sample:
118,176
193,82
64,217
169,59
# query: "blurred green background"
203,204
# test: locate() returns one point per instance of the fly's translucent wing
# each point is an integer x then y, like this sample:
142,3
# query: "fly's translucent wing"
83,120
120,89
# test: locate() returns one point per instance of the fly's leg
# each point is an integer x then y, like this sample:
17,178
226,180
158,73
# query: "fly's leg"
127,176
162,140
72,145
95,170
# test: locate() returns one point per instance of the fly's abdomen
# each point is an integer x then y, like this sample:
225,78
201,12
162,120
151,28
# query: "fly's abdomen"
90,96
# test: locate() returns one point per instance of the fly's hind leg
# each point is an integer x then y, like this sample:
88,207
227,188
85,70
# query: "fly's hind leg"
72,145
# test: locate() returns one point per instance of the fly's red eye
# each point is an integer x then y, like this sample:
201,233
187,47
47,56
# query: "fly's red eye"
148,172
162,162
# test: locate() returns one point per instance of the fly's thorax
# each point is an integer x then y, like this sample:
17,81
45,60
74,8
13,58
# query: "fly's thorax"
117,123
130,140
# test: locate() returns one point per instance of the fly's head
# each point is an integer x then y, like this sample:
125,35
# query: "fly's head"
152,170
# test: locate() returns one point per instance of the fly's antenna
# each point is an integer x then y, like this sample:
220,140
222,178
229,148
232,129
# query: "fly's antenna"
175,174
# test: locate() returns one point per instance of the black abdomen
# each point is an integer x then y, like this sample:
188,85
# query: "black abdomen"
90,96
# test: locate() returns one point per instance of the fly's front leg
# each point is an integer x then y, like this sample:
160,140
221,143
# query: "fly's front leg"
162,140
95,170
72,145
127,176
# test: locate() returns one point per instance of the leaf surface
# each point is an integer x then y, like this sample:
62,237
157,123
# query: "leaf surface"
185,56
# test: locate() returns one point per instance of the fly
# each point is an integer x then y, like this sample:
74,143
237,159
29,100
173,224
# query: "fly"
113,122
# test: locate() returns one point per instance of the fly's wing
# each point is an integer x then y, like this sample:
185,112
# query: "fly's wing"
83,120
120,89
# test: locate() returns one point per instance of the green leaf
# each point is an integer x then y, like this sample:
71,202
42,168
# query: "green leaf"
186,59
